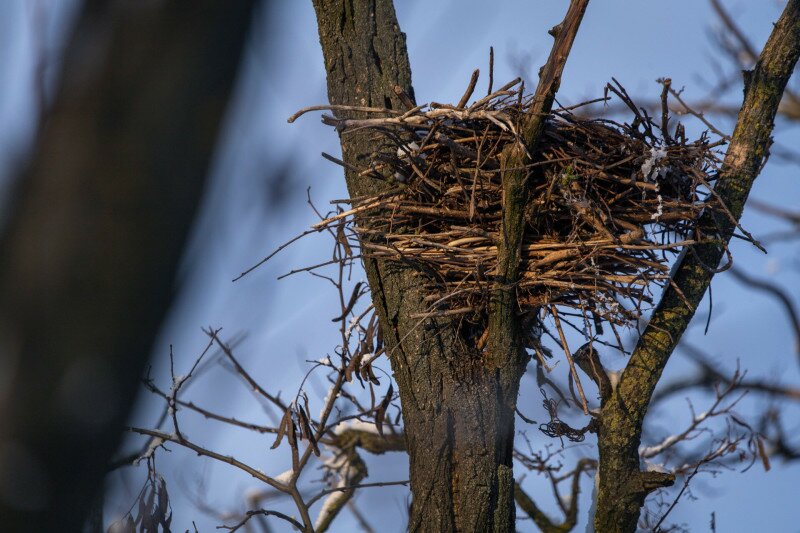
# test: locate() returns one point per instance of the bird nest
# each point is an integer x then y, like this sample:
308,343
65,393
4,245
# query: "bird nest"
609,203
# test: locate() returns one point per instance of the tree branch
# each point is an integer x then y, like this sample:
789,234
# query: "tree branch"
708,376
544,522
622,486
514,197
505,345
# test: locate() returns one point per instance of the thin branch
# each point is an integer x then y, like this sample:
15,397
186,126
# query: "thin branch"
567,353
325,492
242,372
199,450
262,512
541,520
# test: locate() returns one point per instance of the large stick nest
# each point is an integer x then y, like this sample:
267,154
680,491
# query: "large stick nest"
609,203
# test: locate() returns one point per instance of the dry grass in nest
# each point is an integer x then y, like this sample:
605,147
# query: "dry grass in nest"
609,203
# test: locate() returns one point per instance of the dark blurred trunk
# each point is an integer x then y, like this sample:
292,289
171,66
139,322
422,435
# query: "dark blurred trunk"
98,226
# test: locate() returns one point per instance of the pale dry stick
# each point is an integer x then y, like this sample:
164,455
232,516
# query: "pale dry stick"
564,345
470,89
341,108
422,119
324,223
404,98
502,91
443,313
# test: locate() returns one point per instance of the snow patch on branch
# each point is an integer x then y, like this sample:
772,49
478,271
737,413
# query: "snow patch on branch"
334,501
671,440
155,443
284,477
655,467
613,377
357,425
340,467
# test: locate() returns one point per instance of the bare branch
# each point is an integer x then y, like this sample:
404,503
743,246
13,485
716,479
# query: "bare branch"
623,414
171,437
262,512
570,513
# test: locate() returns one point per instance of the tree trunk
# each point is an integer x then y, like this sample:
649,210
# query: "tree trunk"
458,402
89,259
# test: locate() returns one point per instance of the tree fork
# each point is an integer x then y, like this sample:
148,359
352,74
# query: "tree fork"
458,403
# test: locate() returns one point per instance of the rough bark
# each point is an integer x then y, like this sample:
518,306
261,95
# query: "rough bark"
92,248
460,473
449,405
458,401
623,486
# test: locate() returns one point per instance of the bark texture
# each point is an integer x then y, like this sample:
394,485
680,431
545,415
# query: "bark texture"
623,486
458,400
458,414
91,252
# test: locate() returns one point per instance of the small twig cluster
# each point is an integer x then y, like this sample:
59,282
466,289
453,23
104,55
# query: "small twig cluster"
348,418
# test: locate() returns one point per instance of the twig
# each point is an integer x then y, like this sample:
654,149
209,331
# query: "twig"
575,376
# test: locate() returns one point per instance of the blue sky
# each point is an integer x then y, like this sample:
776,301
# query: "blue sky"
287,322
